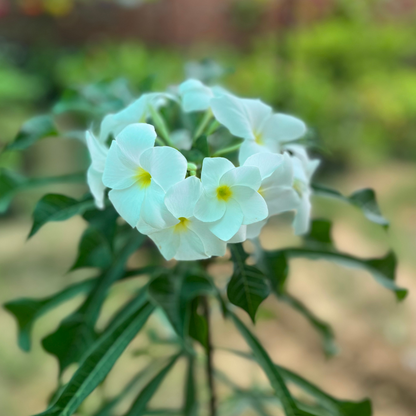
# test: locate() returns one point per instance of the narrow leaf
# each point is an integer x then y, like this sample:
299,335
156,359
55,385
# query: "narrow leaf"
139,405
55,207
27,311
248,286
100,360
272,372
76,333
364,199
191,401
33,130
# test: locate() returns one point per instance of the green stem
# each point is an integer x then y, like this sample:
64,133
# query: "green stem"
203,124
226,150
209,361
160,125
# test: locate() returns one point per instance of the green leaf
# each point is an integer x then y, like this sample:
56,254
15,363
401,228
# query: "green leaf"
191,401
364,199
248,286
272,372
139,406
100,359
11,183
173,293
198,325
27,311
319,233
94,250
382,269
55,207
104,220
76,333
336,406
276,267
33,130
325,330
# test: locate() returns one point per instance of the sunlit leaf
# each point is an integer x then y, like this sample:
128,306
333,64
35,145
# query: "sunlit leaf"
139,405
55,207
248,286
100,359
33,130
364,199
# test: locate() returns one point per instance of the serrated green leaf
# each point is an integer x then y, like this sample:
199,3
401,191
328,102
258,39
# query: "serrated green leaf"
191,402
77,330
248,286
272,372
12,183
364,199
139,405
100,359
94,250
55,207
27,311
33,130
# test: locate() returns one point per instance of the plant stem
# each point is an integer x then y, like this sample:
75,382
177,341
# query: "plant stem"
226,150
203,124
209,361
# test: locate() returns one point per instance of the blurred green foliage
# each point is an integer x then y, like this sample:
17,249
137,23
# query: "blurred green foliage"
352,80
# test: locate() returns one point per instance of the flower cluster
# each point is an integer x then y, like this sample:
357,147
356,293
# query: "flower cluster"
192,211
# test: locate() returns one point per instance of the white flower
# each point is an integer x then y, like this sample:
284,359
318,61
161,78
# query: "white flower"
196,96
98,152
140,174
185,237
254,121
276,188
137,112
230,198
303,169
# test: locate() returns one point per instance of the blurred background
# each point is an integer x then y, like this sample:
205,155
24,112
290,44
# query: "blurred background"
348,68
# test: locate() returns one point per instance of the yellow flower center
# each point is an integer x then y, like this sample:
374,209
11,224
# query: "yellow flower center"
258,138
143,178
298,187
224,193
182,225
261,191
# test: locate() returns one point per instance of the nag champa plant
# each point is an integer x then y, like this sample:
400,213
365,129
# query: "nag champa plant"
186,176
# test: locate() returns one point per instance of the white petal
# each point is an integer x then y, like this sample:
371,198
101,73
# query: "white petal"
254,230
166,165
230,223
167,242
183,196
116,174
128,203
281,199
258,113
115,123
309,165
231,112
98,152
243,175
212,170
302,217
135,139
240,236
195,95
97,188
181,139
154,211
252,204
267,163
249,148
213,245
190,247
209,208
282,128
